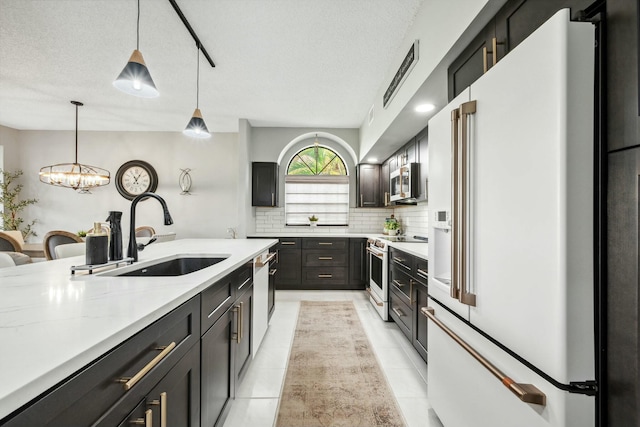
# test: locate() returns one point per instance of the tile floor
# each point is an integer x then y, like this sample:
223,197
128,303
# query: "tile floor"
256,402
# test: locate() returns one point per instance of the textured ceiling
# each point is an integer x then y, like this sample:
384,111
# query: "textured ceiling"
307,63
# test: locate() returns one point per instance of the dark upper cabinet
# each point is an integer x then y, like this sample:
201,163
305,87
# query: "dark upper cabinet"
475,60
513,23
264,184
385,183
422,149
368,193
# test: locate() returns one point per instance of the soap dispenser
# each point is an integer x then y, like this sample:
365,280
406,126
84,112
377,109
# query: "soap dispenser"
97,245
115,241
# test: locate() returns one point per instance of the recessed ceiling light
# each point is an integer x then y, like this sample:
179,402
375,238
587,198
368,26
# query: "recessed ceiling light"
425,108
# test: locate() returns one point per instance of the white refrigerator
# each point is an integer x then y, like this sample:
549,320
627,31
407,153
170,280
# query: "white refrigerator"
511,220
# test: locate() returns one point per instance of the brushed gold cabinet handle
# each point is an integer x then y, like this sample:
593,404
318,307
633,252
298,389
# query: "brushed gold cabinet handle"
273,199
398,312
411,292
485,67
130,382
241,320
325,258
287,243
325,276
525,392
325,243
236,336
361,201
147,421
163,408
423,273
398,283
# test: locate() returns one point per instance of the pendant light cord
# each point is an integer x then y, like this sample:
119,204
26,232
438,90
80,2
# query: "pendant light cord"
138,28
76,133
198,77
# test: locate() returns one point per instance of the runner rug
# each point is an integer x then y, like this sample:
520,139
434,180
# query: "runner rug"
333,377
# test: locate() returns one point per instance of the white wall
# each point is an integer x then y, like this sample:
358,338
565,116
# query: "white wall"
438,26
208,212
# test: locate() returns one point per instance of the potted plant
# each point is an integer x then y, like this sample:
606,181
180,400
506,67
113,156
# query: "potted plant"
391,226
12,205
313,220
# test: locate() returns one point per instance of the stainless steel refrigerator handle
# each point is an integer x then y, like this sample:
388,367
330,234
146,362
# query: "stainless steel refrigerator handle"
525,392
465,297
453,289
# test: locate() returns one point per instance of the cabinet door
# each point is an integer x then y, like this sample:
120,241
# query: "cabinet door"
474,61
244,319
217,378
289,273
264,184
357,263
175,401
385,183
419,335
368,195
422,148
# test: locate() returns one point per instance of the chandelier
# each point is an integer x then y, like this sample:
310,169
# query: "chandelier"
75,175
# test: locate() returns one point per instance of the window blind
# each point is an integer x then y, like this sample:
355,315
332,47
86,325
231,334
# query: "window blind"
325,196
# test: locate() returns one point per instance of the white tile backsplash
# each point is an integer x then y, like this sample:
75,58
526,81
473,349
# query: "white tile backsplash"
413,221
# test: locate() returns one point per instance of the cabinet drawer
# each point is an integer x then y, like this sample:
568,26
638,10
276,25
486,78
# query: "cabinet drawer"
325,275
401,259
319,258
244,276
216,299
325,243
400,313
402,282
421,270
290,243
86,395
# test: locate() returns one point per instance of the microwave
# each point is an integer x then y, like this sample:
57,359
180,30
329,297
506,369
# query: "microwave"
404,183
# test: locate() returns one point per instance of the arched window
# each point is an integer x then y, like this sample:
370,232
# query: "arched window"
316,160
317,185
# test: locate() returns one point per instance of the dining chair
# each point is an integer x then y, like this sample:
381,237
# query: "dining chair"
56,238
69,250
145,231
6,260
8,242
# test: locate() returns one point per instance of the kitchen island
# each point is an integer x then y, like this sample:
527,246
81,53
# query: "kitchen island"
52,324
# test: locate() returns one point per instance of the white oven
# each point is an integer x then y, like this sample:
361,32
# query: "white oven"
378,277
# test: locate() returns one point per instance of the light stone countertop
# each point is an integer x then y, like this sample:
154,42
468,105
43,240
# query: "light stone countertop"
52,323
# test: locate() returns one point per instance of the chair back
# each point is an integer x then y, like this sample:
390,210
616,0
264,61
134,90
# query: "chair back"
145,231
17,236
8,243
56,238
69,250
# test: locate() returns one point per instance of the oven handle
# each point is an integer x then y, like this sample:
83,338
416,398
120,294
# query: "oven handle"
377,254
373,295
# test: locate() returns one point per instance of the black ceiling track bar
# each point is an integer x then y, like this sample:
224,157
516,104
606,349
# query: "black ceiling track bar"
193,33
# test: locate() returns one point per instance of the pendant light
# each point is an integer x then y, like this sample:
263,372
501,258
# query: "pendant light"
135,78
75,175
196,128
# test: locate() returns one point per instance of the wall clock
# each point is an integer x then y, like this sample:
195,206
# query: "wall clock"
136,177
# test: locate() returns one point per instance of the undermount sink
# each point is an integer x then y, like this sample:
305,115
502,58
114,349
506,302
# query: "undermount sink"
178,266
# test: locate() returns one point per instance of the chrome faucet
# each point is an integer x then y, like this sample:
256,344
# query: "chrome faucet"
132,250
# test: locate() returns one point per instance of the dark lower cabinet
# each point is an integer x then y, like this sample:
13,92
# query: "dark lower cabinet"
271,293
407,295
289,275
104,394
357,263
225,343
217,384
242,334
